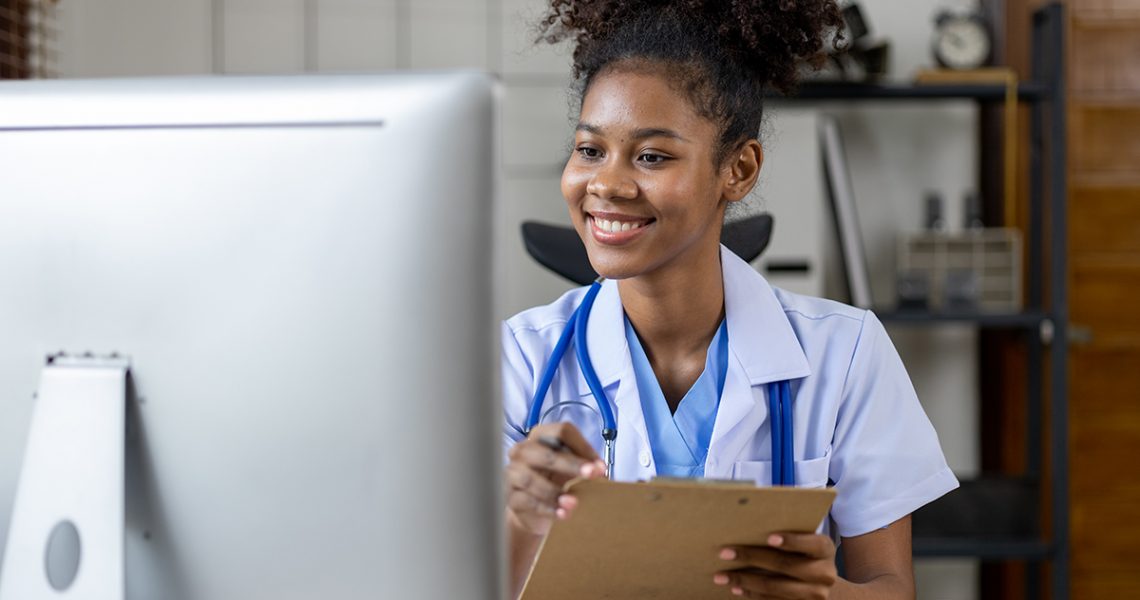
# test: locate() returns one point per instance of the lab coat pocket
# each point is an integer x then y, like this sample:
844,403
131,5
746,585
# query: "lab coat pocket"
811,473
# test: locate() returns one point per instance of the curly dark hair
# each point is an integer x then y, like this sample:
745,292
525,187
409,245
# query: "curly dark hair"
723,53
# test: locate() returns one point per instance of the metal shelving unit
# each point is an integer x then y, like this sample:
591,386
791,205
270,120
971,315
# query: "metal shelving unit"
1000,518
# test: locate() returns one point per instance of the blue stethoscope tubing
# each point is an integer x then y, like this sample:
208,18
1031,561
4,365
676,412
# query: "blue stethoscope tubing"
576,329
780,416
779,396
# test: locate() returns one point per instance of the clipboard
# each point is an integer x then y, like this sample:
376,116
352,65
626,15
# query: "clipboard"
660,539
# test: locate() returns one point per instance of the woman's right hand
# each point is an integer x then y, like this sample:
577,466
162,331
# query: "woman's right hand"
536,473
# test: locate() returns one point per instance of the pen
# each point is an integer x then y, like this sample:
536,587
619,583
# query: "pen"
554,443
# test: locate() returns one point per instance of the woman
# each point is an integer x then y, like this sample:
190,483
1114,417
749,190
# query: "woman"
685,336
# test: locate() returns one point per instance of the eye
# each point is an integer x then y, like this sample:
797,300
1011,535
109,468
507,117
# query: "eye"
651,158
588,152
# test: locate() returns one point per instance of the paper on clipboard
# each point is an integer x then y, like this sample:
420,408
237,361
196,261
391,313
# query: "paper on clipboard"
660,539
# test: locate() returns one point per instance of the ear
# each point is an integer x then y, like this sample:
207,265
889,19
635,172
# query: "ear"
743,168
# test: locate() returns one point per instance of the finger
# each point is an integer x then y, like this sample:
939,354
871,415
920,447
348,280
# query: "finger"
758,585
522,477
570,436
566,506
538,456
810,544
523,503
787,564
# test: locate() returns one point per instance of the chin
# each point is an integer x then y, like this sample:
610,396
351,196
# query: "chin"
612,265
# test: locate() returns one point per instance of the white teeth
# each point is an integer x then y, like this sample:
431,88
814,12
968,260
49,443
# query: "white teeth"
616,226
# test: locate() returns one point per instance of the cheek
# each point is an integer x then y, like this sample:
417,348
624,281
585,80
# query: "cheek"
573,185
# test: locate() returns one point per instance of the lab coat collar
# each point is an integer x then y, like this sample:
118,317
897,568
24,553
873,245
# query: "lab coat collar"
759,333
760,336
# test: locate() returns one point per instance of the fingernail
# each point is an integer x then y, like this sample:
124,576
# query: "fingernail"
587,470
775,540
720,579
728,554
561,513
737,591
567,501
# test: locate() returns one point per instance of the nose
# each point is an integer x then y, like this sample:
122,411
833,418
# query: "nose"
610,181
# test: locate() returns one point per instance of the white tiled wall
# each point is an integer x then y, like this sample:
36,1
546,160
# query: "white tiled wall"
519,55
105,38
261,36
896,152
447,34
356,35
537,130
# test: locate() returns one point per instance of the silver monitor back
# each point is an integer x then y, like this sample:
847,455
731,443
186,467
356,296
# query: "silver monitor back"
299,271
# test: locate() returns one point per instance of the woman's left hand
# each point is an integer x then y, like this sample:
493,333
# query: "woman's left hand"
792,565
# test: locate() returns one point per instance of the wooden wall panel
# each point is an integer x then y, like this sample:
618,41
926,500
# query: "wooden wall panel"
14,46
1098,394
1105,300
1108,495
1105,219
1103,55
1106,59
1109,138
1111,587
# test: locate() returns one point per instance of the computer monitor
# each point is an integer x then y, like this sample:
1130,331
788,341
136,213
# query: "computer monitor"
297,270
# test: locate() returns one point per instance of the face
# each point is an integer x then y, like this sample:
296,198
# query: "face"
641,185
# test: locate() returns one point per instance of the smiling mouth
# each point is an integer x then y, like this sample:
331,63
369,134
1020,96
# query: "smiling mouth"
618,223
617,229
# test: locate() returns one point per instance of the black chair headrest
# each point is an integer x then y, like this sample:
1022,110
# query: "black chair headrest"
558,247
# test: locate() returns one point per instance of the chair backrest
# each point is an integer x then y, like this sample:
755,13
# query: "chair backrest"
559,248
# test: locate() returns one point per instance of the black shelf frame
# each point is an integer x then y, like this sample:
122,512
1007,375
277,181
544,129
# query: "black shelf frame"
983,548
1044,320
1032,319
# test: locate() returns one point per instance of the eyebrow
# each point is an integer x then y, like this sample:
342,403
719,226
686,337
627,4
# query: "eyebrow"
638,134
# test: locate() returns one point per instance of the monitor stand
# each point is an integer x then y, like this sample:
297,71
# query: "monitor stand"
66,538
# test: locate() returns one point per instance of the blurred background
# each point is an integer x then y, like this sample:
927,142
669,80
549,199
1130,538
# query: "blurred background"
1036,140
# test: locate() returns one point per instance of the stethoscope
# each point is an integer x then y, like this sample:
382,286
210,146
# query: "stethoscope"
779,396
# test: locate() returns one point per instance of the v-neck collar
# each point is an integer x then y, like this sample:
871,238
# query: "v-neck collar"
759,334
680,440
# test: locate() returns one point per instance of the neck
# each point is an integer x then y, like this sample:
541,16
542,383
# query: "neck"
676,311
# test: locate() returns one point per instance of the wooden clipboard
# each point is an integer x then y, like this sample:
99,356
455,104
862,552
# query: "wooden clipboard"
660,539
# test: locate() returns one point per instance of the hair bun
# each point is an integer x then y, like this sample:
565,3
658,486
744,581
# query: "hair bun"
766,39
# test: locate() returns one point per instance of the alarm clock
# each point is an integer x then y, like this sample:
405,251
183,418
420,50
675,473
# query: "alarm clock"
962,40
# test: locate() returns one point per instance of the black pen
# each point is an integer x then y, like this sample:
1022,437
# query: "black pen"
554,443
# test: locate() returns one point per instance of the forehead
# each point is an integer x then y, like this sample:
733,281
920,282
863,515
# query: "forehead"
622,101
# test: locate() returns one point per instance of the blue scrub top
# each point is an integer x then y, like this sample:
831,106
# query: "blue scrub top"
680,441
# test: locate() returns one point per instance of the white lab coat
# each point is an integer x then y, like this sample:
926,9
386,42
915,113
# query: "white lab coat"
857,421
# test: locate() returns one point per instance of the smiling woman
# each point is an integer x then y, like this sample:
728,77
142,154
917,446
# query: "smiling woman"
642,158
696,355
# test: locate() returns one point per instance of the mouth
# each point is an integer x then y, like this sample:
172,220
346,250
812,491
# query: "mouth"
615,229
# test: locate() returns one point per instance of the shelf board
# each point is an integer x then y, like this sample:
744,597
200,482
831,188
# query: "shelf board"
847,90
1106,19
1104,179
1023,320
983,548
843,90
